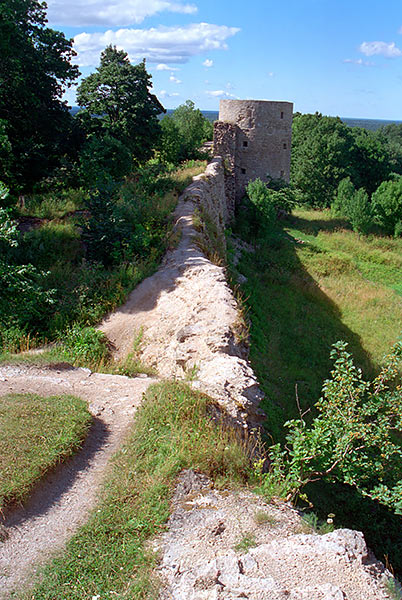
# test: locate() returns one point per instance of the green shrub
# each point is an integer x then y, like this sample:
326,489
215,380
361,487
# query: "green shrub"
344,197
354,438
262,200
84,345
360,212
387,206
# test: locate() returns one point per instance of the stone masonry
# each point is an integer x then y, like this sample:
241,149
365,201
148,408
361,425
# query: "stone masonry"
254,139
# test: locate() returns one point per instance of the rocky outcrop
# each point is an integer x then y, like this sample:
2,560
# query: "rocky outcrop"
231,545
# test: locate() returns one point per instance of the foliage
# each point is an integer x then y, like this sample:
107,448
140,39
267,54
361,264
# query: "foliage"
354,437
321,149
35,69
387,206
103,160
172,431
360,213
170,145
116,100
193,129
28,449
23,301
261,198
83,345
370,158
344,197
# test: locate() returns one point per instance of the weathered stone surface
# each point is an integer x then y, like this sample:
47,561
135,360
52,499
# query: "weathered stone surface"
215,548
188,313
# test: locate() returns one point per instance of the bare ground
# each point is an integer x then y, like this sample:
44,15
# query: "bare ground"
61,503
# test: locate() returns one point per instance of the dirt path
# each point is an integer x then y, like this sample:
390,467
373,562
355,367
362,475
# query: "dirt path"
61,504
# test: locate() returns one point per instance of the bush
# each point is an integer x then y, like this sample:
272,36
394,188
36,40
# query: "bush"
354,438
262,200
344,197
360,213
387,206
83,345
354,205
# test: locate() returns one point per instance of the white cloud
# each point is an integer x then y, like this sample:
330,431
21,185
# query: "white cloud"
208,63
387,49
163,67
111,12
158,44
219,94
174,79
359,61
165,94
270,74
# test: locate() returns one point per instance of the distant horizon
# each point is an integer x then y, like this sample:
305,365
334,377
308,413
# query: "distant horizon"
210,110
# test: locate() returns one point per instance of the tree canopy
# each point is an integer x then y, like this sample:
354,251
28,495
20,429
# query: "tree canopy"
116,100
35,69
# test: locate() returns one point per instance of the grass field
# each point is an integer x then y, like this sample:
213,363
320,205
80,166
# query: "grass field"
36,434
108,556
309,284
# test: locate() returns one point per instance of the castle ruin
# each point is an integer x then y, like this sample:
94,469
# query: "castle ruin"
254,139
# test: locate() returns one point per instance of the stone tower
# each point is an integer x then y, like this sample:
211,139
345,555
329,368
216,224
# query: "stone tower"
254,138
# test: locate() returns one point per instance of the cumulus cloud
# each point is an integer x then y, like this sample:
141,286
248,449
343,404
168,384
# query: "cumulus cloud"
163,67
219,94
174,79
83,13
208,63
359,61
158,44
387,49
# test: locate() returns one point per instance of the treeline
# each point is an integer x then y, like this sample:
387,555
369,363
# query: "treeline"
84,198
355,171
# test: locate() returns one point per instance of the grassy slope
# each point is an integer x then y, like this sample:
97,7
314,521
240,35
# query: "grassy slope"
28,448
312,283
108,555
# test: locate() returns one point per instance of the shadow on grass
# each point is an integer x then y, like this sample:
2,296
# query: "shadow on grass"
293,326
314,226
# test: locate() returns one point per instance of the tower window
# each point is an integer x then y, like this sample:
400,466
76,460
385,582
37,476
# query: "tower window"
285,145
282,114
245,144
243,171
282,173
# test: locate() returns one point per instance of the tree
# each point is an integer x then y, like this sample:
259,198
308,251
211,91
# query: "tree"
193,127
321,157
35,69
370,158
116,101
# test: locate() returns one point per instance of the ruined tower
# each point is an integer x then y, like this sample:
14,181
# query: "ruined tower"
254,139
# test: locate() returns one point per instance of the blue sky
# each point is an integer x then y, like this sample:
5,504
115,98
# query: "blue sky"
339,58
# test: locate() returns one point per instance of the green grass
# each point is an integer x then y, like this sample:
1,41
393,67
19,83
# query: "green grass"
172,431
53,205
309,284
35,434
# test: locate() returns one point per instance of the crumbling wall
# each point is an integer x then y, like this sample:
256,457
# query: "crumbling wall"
190,319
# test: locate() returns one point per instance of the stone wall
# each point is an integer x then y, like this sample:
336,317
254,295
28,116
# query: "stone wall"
187,311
